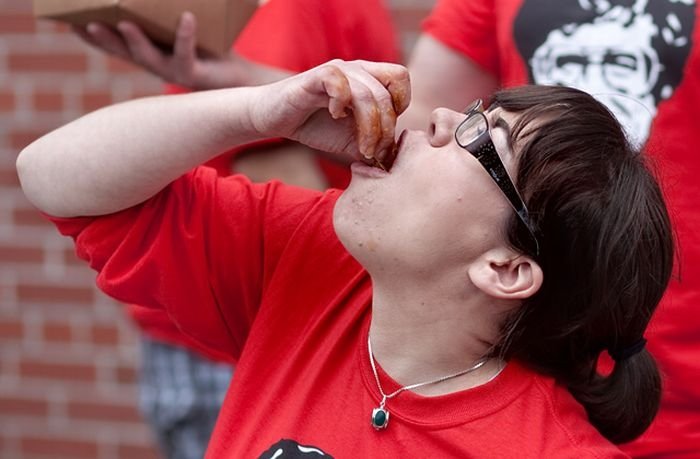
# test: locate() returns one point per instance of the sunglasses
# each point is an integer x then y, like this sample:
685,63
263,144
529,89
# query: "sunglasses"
473,134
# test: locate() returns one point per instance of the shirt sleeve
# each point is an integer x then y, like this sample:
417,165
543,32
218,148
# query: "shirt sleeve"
201,249
468,27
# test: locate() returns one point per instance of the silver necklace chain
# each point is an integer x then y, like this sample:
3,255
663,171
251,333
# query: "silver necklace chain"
386,397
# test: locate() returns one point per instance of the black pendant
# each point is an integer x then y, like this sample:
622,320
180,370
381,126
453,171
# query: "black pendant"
380,418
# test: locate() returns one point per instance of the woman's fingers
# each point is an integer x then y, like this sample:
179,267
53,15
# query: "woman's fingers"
391,89
378,93
379,130
335,84
367,113
396,81
395,78
373,95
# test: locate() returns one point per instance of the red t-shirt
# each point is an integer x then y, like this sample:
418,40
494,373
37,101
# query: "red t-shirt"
256,272
296,35
651,54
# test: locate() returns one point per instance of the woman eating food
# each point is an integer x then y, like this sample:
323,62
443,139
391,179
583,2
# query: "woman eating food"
453,302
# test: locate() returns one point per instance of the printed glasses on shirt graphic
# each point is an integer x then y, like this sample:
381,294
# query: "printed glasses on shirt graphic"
606,58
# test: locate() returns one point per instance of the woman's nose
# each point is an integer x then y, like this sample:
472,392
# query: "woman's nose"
442,126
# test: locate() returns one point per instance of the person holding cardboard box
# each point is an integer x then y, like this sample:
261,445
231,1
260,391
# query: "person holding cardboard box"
158,18
453,302
182,381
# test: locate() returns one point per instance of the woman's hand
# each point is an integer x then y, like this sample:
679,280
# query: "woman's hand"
349,108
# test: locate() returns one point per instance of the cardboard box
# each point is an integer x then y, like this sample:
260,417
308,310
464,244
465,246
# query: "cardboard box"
218,21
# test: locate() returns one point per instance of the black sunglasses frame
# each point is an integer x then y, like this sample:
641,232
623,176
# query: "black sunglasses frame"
483,149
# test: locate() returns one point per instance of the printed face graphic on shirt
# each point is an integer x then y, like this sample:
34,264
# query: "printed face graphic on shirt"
630,54
289,449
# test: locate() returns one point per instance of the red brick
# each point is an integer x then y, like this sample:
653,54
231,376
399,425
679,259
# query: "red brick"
47,62
8,177
137,452
61,27
105,334
23,406
56,447
21,138
97,99
11,329
7,101
61,371
57,332
11,6
116,65
17,23
104,412
70,258
28,216
54,293
126,375
10,254
49,101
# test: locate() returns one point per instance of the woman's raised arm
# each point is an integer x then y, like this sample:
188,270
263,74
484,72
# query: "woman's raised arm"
122,155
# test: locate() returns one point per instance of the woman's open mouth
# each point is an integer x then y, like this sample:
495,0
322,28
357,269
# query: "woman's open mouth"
375,167
388,160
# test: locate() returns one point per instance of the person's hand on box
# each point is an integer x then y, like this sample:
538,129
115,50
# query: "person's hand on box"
182,67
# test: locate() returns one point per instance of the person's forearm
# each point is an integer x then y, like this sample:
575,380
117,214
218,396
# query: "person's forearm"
235,71
122,155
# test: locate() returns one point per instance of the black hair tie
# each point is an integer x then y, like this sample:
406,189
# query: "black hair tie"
627,352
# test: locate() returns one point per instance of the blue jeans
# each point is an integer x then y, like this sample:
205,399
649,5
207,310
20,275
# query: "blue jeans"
180,396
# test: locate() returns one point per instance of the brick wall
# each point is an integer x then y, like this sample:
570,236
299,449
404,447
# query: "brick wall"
67,354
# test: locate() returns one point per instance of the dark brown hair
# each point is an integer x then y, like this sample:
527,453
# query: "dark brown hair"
606,250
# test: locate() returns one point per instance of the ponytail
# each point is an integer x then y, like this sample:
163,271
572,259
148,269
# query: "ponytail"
622,404
606,251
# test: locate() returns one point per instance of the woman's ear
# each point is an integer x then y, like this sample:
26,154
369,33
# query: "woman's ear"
505,274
